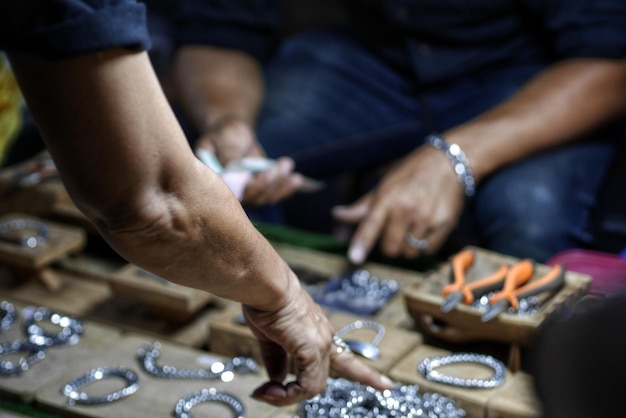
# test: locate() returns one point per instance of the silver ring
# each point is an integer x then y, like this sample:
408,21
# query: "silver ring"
418,244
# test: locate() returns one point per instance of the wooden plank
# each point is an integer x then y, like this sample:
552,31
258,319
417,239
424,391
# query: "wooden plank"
156,396
166,298
93,300
95,339
473,401
61,240
517,400
464,324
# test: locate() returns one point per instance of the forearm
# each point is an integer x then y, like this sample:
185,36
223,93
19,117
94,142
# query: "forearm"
127,165
217,84
556,107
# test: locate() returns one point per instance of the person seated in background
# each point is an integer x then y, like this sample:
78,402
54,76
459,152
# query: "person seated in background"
500,118
84,72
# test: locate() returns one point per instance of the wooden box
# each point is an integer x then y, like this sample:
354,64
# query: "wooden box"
463,324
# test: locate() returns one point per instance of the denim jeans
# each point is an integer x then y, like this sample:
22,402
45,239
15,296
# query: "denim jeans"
334,106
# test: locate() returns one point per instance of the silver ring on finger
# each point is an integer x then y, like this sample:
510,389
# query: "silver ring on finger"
417,243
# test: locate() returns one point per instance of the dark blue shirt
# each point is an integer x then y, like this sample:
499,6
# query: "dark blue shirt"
58,29
435,40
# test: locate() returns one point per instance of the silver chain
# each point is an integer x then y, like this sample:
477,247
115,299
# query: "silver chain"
10,368
184,405
368,350
149,353
24,225
343,398
70,333
8,319
70,390
427,369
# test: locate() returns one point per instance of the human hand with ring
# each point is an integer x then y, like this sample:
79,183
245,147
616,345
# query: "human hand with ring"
299,330
412,211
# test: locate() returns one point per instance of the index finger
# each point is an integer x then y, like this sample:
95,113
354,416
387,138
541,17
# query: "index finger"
367,233
352,368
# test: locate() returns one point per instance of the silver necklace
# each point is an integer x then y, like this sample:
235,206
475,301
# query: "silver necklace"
71,328
34,233
10,368
8,319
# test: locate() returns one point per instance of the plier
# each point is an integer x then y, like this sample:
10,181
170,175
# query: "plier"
459,291
516,287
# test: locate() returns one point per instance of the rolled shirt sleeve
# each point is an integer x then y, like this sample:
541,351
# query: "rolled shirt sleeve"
58,29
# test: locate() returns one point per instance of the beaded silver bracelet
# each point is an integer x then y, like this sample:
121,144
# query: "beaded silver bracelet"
427,369
8,319
70,333
343,398
184,405
12,368
367,350
28,240
70,390
149,353
459,162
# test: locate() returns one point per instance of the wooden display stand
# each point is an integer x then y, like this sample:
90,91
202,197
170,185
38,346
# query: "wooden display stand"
165,298
464,324
25,262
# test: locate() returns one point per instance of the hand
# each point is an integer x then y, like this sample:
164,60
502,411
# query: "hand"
300,330
231,140
420,196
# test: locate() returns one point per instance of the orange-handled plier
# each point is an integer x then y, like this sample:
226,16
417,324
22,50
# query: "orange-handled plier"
460,291
516,287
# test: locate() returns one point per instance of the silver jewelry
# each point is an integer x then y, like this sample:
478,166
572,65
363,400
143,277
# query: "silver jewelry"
418,244
149,354
75,397
184,405
30,240
9,368
8,319
459,162
427,369
343,398
71,328
367,350
358,292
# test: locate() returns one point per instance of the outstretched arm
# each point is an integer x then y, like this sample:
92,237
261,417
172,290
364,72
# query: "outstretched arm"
127,165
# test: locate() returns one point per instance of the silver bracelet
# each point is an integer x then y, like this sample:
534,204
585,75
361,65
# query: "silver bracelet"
11,368
8,319
75,397
459,162
367,350
149,354
70,333
344,398
28,240
427,369
184,405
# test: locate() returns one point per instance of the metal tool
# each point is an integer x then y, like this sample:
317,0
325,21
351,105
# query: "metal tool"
460,291
516,287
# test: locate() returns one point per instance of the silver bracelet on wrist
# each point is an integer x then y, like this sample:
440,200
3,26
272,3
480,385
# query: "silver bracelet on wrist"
459,162
427,369
70,390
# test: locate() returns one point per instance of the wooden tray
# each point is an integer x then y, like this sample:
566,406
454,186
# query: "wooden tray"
463,324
